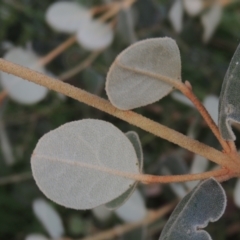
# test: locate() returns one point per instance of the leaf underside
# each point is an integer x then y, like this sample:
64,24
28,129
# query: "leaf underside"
206,202
84,164
229,108
143,72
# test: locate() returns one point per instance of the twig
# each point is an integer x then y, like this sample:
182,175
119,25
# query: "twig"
86,63
129,116
187,91
221,174
120,230
54,53
112,11
15,178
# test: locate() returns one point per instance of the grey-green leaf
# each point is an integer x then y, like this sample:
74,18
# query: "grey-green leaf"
84,164
144,73
229,107
134,139
206,202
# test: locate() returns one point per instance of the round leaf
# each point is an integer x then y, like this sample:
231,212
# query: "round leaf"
134,79
193,7
84,164
67,16
20,90
95,35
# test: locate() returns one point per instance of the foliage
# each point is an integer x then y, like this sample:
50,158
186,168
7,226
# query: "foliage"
202,65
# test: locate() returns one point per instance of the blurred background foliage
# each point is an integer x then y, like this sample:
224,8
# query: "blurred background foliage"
22,23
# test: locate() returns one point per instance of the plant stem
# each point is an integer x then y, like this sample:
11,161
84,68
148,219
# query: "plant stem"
187,91
149,179
129,116
54,53
120,230
87,62
115,8
15,178
112,11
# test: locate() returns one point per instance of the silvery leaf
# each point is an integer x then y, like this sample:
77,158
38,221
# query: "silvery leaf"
67,16
205,203
143,73
84,164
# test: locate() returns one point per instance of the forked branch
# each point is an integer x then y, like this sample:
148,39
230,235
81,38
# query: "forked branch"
128,116
187,91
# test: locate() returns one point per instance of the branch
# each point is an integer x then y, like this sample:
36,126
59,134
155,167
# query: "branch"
120,230
58,50
128,116
187,91
15,178
221,174
84,64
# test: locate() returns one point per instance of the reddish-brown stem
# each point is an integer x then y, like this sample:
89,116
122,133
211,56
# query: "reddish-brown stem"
187,91
148,179
129,116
